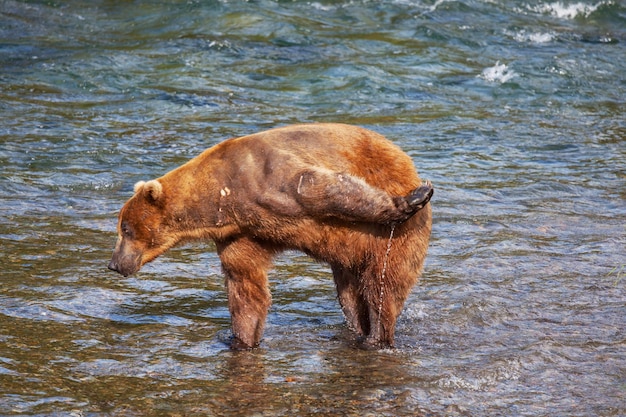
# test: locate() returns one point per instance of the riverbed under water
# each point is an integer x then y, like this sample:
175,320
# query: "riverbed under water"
514,110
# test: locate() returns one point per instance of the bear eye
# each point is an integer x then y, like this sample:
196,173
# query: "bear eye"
126,230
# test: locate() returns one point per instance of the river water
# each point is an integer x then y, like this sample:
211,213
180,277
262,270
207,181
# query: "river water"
515,110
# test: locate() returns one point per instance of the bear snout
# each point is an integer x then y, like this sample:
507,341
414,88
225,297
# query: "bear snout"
113,266
124,264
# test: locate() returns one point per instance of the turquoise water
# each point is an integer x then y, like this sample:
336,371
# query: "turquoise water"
514,110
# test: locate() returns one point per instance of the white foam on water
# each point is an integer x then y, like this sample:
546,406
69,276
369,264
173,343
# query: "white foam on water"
540,37
322,7
437,4
523,36
499,73
421,5
568,11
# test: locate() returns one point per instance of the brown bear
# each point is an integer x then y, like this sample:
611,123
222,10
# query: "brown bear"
342,194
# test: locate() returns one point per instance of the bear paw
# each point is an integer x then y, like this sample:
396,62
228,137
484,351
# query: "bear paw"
416,200
419,197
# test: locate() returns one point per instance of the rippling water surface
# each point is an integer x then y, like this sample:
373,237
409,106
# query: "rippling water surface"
514,109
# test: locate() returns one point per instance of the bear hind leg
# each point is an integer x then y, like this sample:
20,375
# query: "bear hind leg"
350,298
324,193
369,312
384,297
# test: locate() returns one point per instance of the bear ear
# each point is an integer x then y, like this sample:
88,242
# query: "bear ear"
153,189
138,186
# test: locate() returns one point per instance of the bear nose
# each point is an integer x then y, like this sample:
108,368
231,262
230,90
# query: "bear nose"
113,266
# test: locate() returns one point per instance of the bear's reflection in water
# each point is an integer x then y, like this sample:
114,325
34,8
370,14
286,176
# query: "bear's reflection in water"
369,379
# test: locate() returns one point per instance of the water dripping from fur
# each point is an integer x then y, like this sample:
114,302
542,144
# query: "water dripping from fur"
382,277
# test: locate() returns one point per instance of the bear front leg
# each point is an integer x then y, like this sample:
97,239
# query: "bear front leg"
245,265
323,193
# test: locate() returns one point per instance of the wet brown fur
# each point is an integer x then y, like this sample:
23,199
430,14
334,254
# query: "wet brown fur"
317,188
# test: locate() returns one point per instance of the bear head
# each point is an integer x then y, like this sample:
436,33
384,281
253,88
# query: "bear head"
141,228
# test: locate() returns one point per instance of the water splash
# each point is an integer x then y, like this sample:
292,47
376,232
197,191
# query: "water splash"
533,37
498,73
569,11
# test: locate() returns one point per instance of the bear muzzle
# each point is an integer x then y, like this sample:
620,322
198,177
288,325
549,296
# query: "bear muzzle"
125,265
113,266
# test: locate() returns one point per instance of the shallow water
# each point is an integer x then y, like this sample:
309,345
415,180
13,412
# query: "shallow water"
515,111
